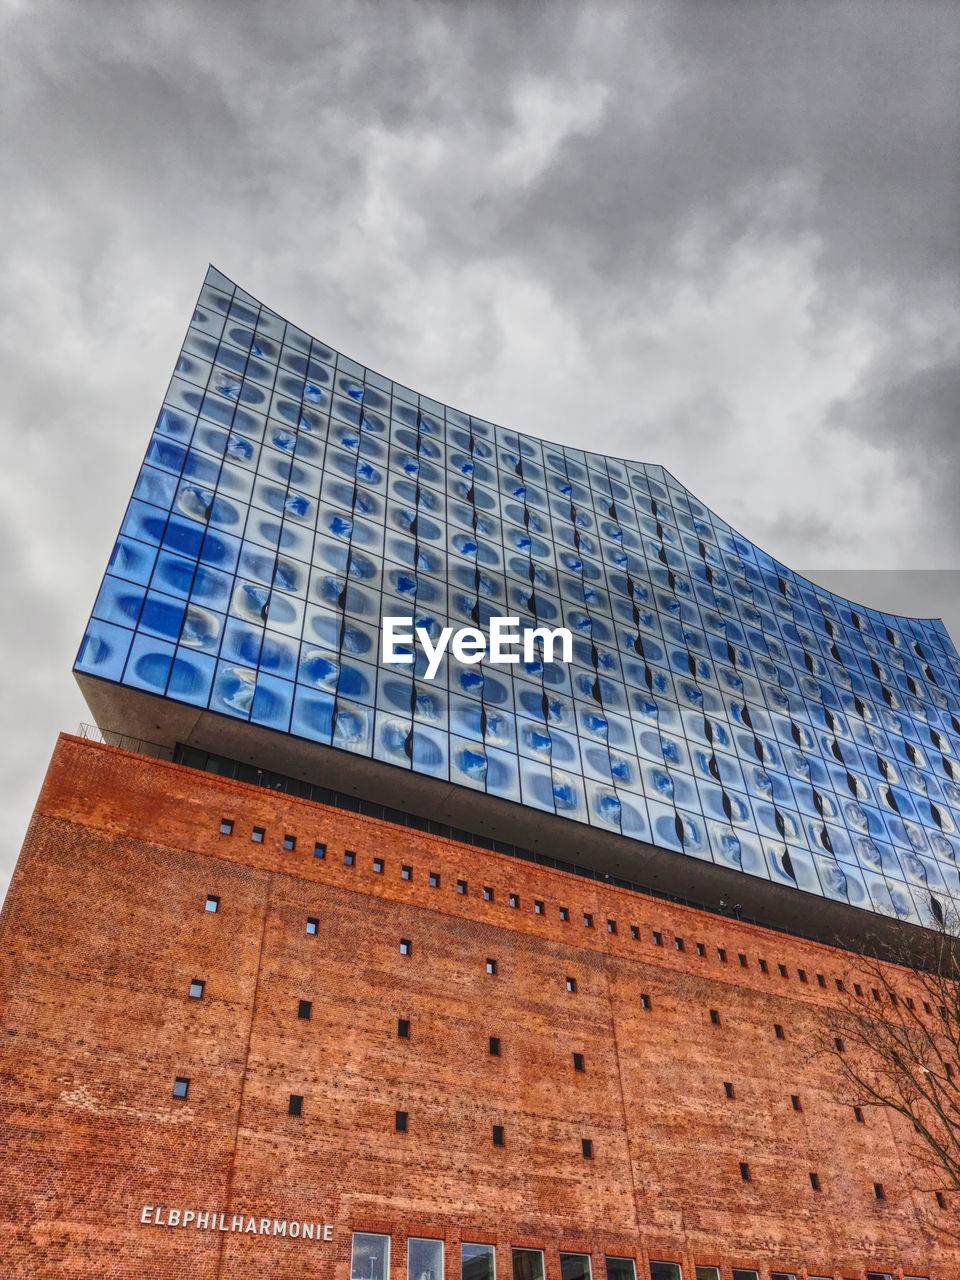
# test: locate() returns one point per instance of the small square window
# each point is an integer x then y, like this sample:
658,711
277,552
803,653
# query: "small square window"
494,1046
226,826
878,1191
571,984
678,943
815,1181
744,1171
213,903
783,970
461,886
434,879
258,834
196,989
564,913
378,865
349,858
295,1106
657,938
635,932
403,1028
537,907
578,1062
406,873
858,1114
795,1102
498,1135
491,965
778,1031
304,1009
289,842
406,947
728,1088
644,1001
487,893
181,1086
701,949
721,955
611,926
743,960
513,900
802,975
319,849
586,1145
587,920
821,980
715,1017
313,924
763,965
401,1122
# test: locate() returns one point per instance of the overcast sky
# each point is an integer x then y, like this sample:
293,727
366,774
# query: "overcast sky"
718,236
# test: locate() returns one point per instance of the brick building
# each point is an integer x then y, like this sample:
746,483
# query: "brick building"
322,960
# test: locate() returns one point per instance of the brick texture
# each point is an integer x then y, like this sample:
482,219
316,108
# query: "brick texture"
105,927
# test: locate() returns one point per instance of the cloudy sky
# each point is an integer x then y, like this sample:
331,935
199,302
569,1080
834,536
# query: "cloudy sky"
719,236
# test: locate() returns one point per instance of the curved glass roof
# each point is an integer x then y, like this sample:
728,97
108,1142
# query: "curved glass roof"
718,704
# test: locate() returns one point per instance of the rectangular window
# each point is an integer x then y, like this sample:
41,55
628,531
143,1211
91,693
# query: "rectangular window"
893,997
644,1000
858,1115
401,1122
498,1135
494,1046
879,1275
620,1268
434,879
857,989
527,1264
181,1086
313,924
587,920
744,1171
665,1270
406,873
821,980
571,984
721,955
319,849
795,1102
378,865
678,943
461,886
634,934
537,907
304,1009
349,858
839,982
370,1256
196,989
815,1181
802,975
701,949
657,942
838,1044
513,900
289,842
258,834
424,1259
708,1273
743,960
226,826
578,1062
406,947
728,1088
487,893
715,1017
403,1028
778,1031
941,1199
741,1273
477,1261
564,913
782,1275
878,1191
783,970
295,1105
611,926
763,965
586,1146
575,1266
213,903
491,965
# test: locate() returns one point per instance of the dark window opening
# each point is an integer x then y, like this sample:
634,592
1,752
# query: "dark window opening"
491,965
578,1062
838,1043
319,849
611,926
538,907
941,1199
304,1009
571,984
587,920
406,947
857,989
587,1147
657,938
743,960
378,865
226,826
289,842
821,980
258,834
487,893
878,1191
403,1028
728,1088
513,900
494,1046
406,873
295,1105
763,965
778,1031
815,1181
678,943
349,858
701,949
564,913
858,1113
434,879
783,970
802,975
839,982
401,1122
744,1171
715,1017
721,955
461,886
795,1100
498,1135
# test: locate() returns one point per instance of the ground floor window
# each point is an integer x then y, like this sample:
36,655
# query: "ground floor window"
621,1269
575,1266
370,1259
477,1262
424,1259
527,1264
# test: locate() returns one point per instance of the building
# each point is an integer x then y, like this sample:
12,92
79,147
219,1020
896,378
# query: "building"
323,962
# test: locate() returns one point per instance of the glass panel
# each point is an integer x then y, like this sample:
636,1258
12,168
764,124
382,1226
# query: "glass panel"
621,1269
740,1274
665,1271
424,1259
370,1259
477,1262
783,1275
527,1264
575,1266
708,1273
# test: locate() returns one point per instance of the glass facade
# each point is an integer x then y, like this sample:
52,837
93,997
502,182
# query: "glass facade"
717,704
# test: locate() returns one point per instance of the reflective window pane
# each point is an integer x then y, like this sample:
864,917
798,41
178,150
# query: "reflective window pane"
424,1259
477,1262
527,1264
575,1266
621,1269
370,1259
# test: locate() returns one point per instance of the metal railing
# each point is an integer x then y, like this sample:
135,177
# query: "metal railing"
93,733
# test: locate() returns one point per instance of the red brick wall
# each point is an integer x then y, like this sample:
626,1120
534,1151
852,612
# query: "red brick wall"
104,928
